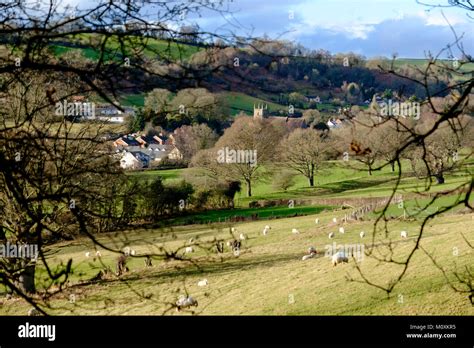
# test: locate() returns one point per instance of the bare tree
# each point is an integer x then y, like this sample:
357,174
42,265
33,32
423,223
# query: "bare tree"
57,179
441,130
242,152
304,150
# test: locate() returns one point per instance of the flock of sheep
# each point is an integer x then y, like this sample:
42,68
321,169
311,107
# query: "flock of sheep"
235,244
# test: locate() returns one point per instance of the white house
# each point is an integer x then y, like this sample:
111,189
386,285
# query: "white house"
134,160
137,157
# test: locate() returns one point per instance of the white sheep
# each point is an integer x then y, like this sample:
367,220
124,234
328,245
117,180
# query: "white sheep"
362,234
311,253
203,282
267,227
132,252
295,231
334,220
229,243
316,221
184,302
404,234
265,231
88,254
188,250
126,250
242,236
233,229
339,257
341,230
307,257
98,254
331,235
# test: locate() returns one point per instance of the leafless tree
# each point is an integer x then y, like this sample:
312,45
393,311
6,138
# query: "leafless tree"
444,127
57,178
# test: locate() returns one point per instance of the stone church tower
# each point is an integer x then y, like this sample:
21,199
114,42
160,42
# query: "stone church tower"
260,111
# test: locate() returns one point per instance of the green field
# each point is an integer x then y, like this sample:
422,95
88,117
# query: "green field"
269,277
238,102
334,180
155,48
423,63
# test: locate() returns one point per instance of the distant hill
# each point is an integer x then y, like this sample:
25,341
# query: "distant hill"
259,77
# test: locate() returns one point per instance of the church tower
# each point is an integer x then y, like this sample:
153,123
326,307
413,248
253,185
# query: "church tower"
260,111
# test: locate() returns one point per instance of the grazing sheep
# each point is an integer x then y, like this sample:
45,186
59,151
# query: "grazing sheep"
404,234
362,234
203,282
235,244
242,237
334,220
98,254
341,230
121,265
331,235
233,229
229,243
126,250
266,230
188,250
132,252
295,231
220,247
316,221
88,254
339,257
184,302
311,253
307,257
148,262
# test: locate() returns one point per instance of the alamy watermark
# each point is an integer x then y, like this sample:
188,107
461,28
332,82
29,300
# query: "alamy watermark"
66,108
226,155
27,251
400,109
355,250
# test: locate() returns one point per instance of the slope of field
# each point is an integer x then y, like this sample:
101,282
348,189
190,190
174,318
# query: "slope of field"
238,102
334,180
268,277
155,48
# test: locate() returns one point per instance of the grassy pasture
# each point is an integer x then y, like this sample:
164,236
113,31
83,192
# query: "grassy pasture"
268,277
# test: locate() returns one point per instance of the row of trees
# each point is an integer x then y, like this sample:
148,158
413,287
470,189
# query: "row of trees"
372,139
188,106
366,137
302,150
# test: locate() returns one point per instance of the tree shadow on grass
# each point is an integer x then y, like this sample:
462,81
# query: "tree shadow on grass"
208,267
348,185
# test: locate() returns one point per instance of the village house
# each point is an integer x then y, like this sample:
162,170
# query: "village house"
134,160
125,141
138,156
160,139
104,112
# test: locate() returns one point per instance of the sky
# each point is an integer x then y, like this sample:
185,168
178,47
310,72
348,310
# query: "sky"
367,27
